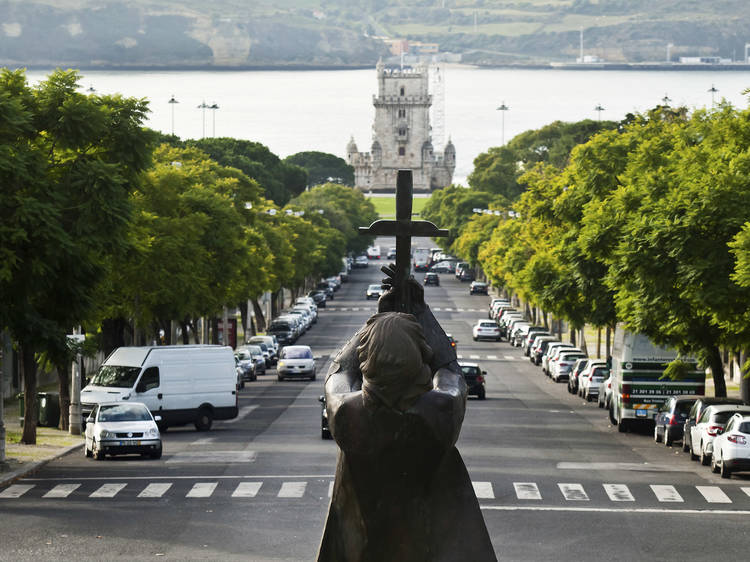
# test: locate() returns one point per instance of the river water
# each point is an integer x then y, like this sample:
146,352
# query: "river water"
292,111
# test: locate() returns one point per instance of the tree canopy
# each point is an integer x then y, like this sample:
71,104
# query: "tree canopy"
323,167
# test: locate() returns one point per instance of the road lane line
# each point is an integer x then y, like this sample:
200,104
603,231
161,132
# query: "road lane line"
460,310
16,490
107,490
618,492
459,356
713,494
330,489
244,412
155,490
473,356
202,490
247,489
292,490
195,477
483,490
447,310
573,492
508,357
61,491
527,491
666,493
662,510
746,489
492,357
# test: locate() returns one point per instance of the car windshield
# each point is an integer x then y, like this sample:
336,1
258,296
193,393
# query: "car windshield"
279,327
124,413
255,350
471,371
296,353
243,355
600,372
114,375
722,417
374,287
488,325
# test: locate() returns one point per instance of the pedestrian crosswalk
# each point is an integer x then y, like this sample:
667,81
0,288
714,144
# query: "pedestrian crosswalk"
373,309
512,493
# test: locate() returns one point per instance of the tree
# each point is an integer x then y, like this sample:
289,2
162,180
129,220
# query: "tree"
68,163
323,168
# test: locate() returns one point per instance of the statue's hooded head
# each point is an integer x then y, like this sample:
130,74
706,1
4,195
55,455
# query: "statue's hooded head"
394,359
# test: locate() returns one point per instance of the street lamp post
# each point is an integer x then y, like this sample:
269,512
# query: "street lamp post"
503,108
599,110
204,106
713,91
213,109
172,101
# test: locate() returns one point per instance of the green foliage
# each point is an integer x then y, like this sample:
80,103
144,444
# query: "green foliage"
323,168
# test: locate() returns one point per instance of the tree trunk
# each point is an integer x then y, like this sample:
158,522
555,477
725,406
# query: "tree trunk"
608,338
546,321
113,334
215,330
30,414
583,342
63,378
260,319
744,378
599,342
244,317
572,335
717,371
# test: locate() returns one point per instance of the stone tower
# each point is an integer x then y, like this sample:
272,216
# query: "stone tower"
401,136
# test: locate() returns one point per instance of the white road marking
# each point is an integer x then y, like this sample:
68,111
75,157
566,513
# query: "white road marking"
527,491
492,357
247,489
448,309
508,357
573,492
483,490
746,490
701,512
107,490
355,309
16,490
460,310
437,309
459,356
639,467
473,356
244,412
156,490
202,490
666,493
210,457
195,477
204,441
618,492
713,494
330,489
292,489
61,491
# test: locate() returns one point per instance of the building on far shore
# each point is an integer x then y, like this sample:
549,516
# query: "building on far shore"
402,136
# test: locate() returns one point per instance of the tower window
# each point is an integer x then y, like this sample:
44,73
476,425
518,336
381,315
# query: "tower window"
403,90
401,151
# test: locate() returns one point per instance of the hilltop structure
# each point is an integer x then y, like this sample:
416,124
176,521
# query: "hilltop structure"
402,136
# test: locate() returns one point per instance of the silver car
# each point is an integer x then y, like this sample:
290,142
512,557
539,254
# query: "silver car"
122,428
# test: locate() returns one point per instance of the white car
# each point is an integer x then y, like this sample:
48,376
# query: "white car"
296,361
485,329
494,304
551,348
731,450
122,428
373,291
591,379
564,363
708,426
554,357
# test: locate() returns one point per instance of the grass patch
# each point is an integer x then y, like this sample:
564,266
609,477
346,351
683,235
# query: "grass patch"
386,206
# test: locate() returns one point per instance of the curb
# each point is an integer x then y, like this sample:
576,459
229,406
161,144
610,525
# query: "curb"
9,477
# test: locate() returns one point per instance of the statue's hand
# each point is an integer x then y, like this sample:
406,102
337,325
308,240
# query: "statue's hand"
387,302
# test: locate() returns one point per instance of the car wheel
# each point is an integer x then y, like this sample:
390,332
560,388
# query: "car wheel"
612,419
482,394
705,459
156,454
623,426
475,339
588,397
685,444
714,466
204,420
693,456
242,383
312,377
724,469
600,403
281,378
97,452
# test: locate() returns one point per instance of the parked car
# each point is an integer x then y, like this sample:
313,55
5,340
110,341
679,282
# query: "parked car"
284,332
373,291
496,302
485,329
522,334
605,393
711,423
296,361
269,342
478,288
326,287
466,275
325,432
551,349
361,261
564,364
555,357
247,361
373,252
460,266
443,267
119,428
309,301
431,279
312,310
732,448
669,423
540,348
590,379
695,412
335,282
474,377
319,297
575,372
531,337
391,254
513,331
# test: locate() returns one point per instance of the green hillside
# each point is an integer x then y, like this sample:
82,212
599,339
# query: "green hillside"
350,32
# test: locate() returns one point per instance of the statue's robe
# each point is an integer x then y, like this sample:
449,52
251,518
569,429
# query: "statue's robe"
402,492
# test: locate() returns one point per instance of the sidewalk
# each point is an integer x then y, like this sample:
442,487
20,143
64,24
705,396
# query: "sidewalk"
21,460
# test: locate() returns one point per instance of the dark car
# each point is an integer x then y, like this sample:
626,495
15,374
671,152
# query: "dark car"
697,409
283,331
669,423
474,378
319,297
466,275
444,267
478,288
325,286
431,279
325,433
391,253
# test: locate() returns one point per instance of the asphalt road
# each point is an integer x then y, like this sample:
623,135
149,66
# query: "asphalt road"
554,480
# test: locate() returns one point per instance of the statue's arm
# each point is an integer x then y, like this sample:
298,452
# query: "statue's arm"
343,385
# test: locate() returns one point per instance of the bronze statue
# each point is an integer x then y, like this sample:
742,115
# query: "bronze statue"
396,401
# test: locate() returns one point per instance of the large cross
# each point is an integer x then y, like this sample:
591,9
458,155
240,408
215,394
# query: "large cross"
403,228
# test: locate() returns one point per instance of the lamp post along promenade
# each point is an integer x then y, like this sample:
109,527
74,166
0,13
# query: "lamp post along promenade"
403,228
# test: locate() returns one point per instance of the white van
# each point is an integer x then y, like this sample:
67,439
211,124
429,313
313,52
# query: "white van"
181,383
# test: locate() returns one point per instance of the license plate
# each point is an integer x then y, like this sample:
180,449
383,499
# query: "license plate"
641,413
